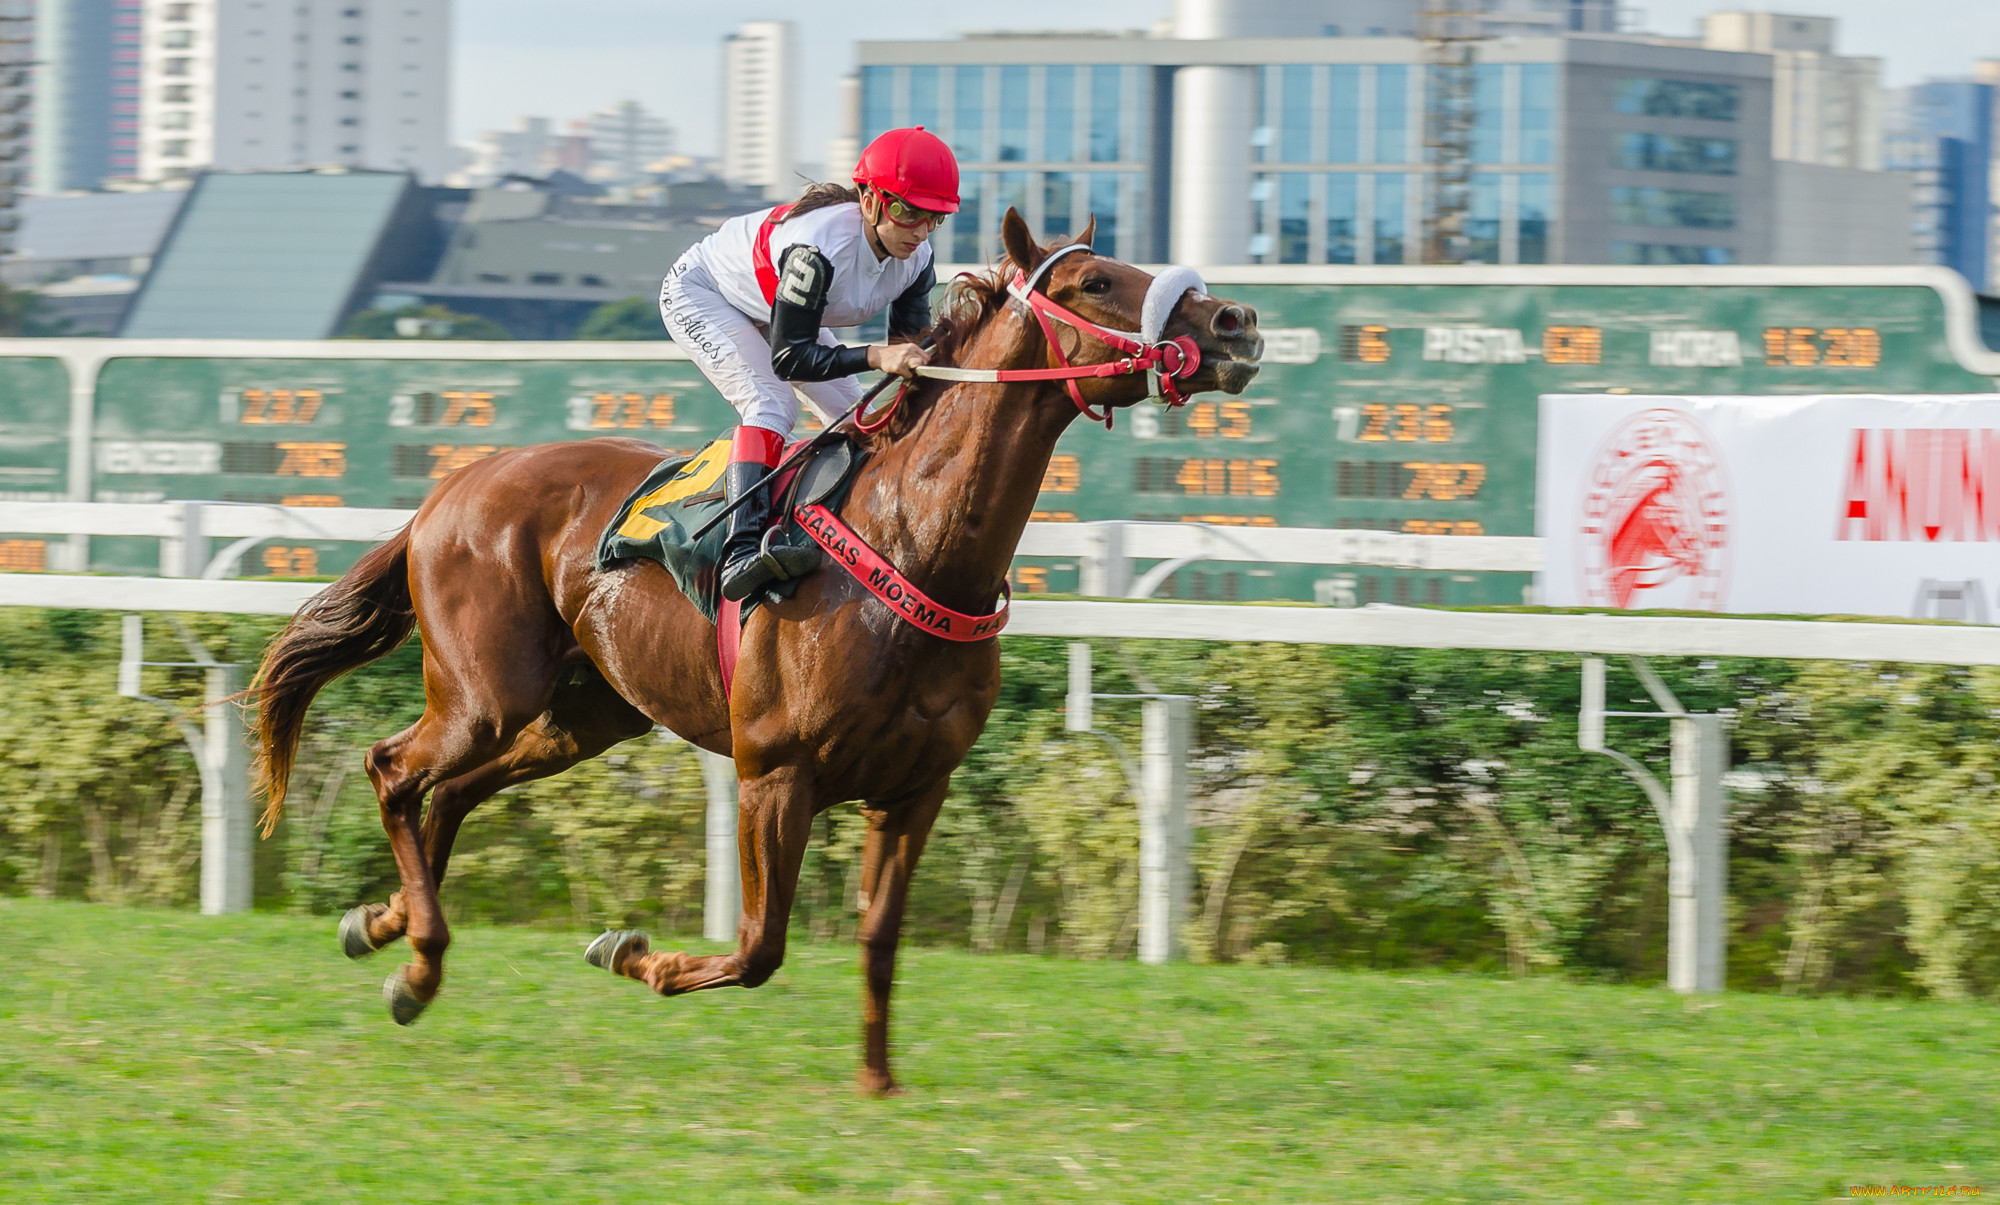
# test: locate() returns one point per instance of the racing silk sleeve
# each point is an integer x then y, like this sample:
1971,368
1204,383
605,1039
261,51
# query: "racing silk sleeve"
910,313
796,352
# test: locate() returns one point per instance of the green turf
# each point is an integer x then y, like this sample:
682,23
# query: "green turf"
153,1056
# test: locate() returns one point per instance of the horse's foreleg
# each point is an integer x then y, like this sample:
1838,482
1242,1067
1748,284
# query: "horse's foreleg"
774,825
895,840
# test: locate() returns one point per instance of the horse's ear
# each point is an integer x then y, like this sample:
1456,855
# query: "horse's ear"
1089,236
1021,246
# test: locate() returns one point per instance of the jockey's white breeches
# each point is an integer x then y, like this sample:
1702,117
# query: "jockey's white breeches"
734,352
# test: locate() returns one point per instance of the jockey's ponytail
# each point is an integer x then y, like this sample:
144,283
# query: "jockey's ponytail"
819,196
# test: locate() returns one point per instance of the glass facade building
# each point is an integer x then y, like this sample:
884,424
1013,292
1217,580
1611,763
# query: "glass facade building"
1339,163
1315,149
1060,142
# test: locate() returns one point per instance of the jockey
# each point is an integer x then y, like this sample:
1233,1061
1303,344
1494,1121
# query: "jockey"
751,304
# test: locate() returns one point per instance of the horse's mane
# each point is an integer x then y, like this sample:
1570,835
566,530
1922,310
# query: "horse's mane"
970,301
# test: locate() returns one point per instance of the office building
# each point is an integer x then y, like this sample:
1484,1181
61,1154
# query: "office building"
1825,108
526,149
1940,134
246,85
624,141
17,57
760,102
72,95
1263,132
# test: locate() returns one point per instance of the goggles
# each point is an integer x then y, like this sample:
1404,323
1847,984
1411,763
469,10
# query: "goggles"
908,216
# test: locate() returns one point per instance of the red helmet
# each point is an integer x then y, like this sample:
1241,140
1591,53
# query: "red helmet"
916,165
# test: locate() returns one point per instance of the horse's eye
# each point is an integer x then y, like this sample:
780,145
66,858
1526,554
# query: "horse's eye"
1096,285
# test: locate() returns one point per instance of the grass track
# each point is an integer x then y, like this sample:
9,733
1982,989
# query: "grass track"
164,1057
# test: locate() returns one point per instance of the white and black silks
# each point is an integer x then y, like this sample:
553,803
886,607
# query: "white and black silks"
764,356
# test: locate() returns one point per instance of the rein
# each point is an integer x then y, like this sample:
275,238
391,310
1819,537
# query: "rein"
1171,360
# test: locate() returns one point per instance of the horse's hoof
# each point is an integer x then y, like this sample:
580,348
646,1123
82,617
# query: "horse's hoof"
613,945
403,1003
354,941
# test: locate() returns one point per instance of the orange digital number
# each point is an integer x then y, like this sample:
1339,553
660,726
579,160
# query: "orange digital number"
1444,482
1031,579
467,407
631,411
288,561
1832,347
448,458
24,556
1573,345
1238,478
1063,475
1233,520
274,406
1365,344
1405,423
1444,527
312,459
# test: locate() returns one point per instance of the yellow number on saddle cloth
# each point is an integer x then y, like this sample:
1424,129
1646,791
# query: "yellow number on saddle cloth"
696,476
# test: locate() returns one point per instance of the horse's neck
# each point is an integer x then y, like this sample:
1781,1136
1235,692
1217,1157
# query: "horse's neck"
947,501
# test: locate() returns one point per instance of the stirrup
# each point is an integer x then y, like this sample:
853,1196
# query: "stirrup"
766,567
786,562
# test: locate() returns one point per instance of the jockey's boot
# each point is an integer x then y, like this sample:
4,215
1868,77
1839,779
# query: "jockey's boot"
751,559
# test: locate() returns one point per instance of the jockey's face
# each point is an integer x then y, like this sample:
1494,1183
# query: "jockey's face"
890,236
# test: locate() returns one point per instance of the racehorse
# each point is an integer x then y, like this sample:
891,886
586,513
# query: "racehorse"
535,659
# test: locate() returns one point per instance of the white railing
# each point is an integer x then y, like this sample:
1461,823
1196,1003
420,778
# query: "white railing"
1394,627
1105,550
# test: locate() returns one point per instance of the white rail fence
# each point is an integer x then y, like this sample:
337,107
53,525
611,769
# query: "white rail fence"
1104,550
197,581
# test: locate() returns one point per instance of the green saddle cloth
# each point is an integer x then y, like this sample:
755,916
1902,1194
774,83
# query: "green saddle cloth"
658,522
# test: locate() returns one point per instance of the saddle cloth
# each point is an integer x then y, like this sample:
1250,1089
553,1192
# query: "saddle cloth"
658,522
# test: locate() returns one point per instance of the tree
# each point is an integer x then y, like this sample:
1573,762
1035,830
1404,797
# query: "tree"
632,318
421,322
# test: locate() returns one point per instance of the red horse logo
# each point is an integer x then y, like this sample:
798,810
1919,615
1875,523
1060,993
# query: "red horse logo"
1655,516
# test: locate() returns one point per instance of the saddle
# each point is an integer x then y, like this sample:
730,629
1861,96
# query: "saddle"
683,493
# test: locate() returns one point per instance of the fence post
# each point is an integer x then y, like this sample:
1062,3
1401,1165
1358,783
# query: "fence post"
723,903
186,554
225,799
1166,876
1104,571
1696,882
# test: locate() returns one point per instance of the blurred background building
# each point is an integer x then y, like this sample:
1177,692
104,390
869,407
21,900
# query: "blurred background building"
245,85
1294,133
760,102
1233,131
17,57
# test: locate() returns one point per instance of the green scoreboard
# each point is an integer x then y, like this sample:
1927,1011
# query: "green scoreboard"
1396,399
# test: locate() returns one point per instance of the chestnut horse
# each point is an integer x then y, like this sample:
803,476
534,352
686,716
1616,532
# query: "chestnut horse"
534,659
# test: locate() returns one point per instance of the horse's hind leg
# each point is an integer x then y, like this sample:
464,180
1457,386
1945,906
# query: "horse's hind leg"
583,720
889,853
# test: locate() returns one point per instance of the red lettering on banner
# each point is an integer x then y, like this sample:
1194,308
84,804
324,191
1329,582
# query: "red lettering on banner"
1920,484
1855,508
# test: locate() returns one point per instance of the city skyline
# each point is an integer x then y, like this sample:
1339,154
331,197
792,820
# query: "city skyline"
514,58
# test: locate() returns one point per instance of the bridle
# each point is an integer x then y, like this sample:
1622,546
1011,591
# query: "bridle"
1170,360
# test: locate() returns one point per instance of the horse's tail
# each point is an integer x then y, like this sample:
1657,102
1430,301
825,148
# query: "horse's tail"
357,619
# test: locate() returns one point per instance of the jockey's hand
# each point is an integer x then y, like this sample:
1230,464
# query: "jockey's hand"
902,359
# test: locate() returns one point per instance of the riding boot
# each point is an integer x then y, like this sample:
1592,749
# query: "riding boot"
753,558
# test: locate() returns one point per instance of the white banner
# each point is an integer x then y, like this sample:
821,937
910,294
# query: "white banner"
1835,504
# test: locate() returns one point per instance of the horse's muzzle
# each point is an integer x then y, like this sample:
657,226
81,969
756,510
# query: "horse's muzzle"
1230,349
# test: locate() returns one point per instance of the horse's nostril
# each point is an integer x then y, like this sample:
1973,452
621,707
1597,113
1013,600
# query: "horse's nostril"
1228,320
